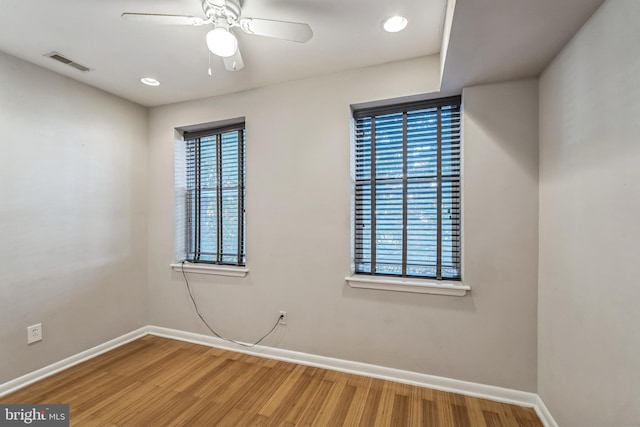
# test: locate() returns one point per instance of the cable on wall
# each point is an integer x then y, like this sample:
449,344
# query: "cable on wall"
195,305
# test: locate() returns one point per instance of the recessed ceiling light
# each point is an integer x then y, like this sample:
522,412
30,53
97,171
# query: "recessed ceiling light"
395,24
150,81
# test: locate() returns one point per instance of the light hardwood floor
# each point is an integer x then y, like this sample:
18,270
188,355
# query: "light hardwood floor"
156,381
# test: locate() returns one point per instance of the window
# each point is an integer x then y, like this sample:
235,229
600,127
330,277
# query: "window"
214,196
407,190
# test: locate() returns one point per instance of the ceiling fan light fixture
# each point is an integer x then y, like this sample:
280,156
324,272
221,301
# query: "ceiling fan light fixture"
222,42
395,24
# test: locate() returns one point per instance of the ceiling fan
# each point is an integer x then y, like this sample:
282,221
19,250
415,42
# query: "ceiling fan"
225,15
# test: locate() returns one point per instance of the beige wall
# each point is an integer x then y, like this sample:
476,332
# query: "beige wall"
589,320
298,232
83,155
72,216
500,190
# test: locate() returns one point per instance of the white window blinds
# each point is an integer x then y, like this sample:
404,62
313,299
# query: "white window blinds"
407,190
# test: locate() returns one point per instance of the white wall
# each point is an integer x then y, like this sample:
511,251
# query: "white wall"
589,320
72,216
298,232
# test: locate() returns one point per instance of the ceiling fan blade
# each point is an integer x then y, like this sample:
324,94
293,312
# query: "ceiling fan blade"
152,18
234,62
292,31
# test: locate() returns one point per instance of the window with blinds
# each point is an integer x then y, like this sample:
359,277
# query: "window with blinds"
407,190
215,196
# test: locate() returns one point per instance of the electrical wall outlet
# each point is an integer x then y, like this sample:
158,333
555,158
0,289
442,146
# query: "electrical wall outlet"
34,333
283,318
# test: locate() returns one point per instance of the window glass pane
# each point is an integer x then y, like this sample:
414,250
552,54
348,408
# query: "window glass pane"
363,228
422,227
422,149
389,146
230,225
389,228
229,181
363,149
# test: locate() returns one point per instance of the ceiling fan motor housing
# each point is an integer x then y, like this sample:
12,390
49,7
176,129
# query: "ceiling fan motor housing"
229,9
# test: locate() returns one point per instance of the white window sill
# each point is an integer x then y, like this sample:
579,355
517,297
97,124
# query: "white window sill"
216,270
436,287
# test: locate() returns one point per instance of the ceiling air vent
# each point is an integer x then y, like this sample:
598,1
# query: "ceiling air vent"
67,61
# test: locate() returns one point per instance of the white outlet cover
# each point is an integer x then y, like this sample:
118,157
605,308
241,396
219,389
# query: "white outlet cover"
34,333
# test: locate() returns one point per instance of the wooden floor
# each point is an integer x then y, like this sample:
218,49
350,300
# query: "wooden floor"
161,382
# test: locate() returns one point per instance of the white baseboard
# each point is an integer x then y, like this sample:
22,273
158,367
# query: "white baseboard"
544,414
31,377
498,394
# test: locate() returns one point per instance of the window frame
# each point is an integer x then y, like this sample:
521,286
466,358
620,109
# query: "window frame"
192,252
404,282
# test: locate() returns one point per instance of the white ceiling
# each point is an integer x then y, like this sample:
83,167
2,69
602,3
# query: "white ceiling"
491,40
347,34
